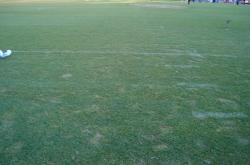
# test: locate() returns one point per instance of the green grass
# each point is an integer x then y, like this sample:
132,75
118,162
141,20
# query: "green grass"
120,84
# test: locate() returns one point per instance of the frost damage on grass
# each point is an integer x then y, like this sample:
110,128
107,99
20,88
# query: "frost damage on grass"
218,115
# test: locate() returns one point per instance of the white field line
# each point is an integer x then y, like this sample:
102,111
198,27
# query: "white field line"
182,66
219,115
197,85
217,55
171,53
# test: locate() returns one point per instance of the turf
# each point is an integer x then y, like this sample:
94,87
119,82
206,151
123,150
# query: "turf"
124,84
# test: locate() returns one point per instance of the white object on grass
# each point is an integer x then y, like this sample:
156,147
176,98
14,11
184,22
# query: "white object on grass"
5,54
8,52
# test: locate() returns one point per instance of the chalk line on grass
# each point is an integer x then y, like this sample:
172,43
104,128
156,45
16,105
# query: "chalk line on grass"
170,52
197,85
218,115
98,52
181,66
223,55
167,52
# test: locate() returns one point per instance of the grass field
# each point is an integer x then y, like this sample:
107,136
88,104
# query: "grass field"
121,83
